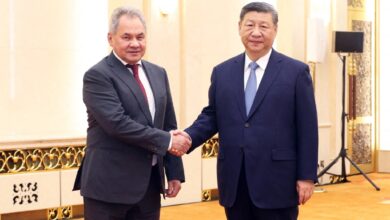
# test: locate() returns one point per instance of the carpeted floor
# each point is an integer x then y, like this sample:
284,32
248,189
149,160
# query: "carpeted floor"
356,200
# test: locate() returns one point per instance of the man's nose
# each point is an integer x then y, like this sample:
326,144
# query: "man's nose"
257,31
133,43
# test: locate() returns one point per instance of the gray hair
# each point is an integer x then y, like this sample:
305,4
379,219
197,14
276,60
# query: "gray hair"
124,10
260,7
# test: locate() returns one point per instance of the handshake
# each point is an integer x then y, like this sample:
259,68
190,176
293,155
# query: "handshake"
181,142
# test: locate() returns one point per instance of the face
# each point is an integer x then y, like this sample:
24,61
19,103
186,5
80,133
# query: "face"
129,41
257,32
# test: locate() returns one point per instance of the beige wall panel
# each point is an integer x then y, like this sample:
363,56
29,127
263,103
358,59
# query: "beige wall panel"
47,47
69,197
112,4
383,161
328,86
163,47
209,173
191,190
4,88
291,29
210,37
323,151
29,191
5,24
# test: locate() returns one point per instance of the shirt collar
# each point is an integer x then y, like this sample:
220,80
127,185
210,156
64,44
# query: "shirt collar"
262,61
123,62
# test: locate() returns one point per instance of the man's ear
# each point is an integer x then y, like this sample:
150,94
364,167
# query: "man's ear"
109,38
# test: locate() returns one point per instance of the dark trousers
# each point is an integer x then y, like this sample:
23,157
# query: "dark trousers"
147,209
244,209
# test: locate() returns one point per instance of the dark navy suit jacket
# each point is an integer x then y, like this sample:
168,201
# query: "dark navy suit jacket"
122,137
278,140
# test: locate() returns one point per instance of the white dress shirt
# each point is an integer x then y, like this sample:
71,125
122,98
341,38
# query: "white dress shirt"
262,62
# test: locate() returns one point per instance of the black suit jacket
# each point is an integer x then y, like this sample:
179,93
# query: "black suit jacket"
121,136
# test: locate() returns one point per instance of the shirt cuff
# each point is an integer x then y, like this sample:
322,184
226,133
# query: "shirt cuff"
170,141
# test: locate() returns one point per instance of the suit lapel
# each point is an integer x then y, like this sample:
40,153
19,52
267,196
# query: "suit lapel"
270,74
125,75
237,79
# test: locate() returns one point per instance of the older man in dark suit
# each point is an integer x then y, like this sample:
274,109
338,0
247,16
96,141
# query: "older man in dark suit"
130,114
262,105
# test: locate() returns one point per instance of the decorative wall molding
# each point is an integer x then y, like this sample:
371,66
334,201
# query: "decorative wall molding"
356,3
39,159
210,195
60,213
65,212
210,148
25,193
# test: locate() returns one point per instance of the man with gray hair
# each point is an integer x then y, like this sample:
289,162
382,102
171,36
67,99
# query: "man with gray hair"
130,116
261,104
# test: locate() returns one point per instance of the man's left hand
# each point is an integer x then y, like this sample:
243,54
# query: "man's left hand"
305,189
174,187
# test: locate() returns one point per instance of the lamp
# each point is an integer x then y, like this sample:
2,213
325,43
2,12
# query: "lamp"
167,6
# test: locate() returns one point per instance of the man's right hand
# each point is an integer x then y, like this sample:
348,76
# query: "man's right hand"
181,142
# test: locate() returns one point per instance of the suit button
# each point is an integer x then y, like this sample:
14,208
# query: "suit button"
247,125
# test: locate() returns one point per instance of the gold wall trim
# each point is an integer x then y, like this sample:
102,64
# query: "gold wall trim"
361,87
210,148
377,83
39,159
210,195
357,4
17,158
362,120
60,213
64,212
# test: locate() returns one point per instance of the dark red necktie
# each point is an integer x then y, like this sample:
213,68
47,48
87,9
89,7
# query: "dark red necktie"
134,68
